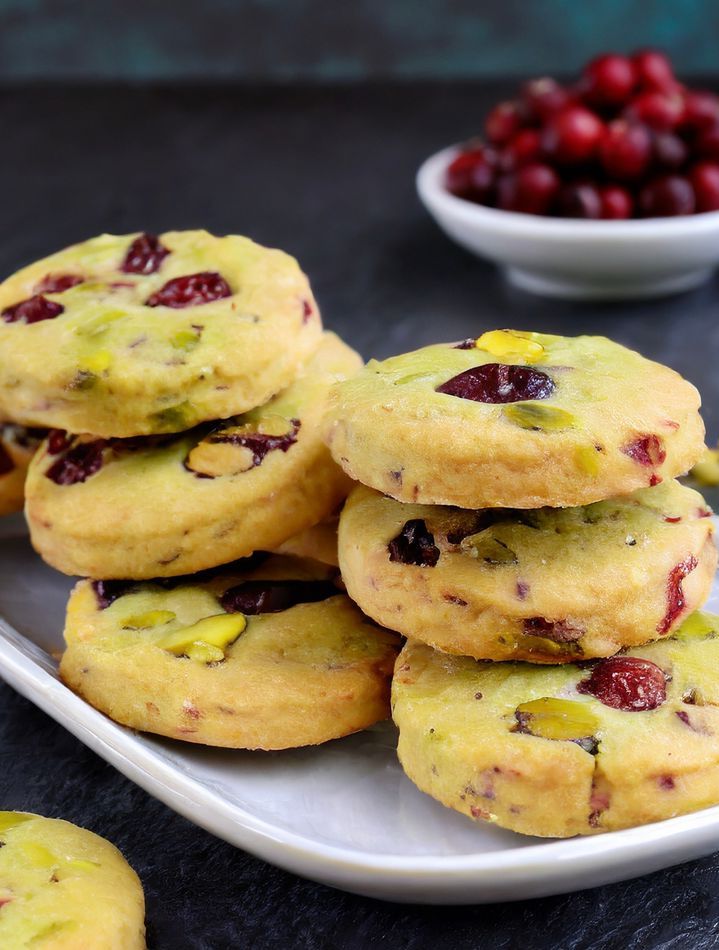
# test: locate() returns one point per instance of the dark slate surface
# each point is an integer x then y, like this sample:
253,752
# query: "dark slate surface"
327,175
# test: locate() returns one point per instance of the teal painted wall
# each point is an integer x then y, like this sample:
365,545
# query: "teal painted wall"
318,40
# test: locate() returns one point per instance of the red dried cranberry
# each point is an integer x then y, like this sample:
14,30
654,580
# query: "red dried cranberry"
657,110
190,291
625,150
503,122
701,111
668,151
57,441
653,70
676,601
499,383
543,97
307,311
32,310
626,682
646,450
560,631
667,196
530,191
572,136
704,177
608,80
6,463
107,592
269,597
617,203
471,174
78,464
144,255
58,283
260,443
581,200
414,545
525,147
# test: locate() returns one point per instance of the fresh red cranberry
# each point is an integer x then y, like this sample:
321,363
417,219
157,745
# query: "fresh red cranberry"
32,310
531,190
57,441
471,174
524,148
499,383
646,450
669,152
572,136
503,122
608,80
660,112
414,545
269,597
706,144
617,203
543,97
676,601
190,291
667,196
560,631
626,682
704,177
580,200
653,70
625,150
259,443
58,283
701,110
6,463
145,255
78,464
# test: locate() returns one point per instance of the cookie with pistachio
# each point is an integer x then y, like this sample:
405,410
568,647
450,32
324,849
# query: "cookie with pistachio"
515,420
17,447
163,506
139,334
566,750
65,888
549,585
267,655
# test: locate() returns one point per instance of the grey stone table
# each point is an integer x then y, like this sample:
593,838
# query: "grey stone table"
328,175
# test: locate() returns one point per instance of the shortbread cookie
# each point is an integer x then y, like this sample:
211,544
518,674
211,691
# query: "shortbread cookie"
136,334
17,447
549,586
159,507
566,750
265,657
65,888
515,420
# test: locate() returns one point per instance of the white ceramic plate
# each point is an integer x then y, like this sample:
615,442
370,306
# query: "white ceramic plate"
343,813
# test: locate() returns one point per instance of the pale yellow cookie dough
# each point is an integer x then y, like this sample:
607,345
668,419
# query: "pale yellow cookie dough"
17,447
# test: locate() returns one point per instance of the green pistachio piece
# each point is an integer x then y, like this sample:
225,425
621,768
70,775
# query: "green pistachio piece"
563,719
488,548
534,415
153,618
218,631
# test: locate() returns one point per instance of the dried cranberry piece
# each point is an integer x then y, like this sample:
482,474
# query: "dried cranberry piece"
676,601
626,682
57,441
414,545
269,597
58,283
190,291
144,255
307,311
78,464
499,383
646,450
259,443
6,463
107,592
560,631
32,310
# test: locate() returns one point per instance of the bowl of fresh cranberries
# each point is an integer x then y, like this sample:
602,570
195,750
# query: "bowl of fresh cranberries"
604,188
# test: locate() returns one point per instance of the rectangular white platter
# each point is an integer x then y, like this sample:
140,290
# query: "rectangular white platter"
342,814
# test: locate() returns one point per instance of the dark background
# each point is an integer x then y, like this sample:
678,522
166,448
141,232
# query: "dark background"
325,170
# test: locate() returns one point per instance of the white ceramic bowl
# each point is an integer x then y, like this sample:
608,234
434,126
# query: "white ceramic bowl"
564,257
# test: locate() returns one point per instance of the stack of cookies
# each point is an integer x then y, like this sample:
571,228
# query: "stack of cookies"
183,379
518,520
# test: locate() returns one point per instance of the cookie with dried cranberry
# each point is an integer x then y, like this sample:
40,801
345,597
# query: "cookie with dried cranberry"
515,420
267,655
548,586
17,447
65,888
138,334
566,750
159,507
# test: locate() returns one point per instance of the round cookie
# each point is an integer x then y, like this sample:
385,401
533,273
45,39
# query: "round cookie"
65,888
549,586
515,420
17,447
154,507
266,657
566,750
134,334
318,542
